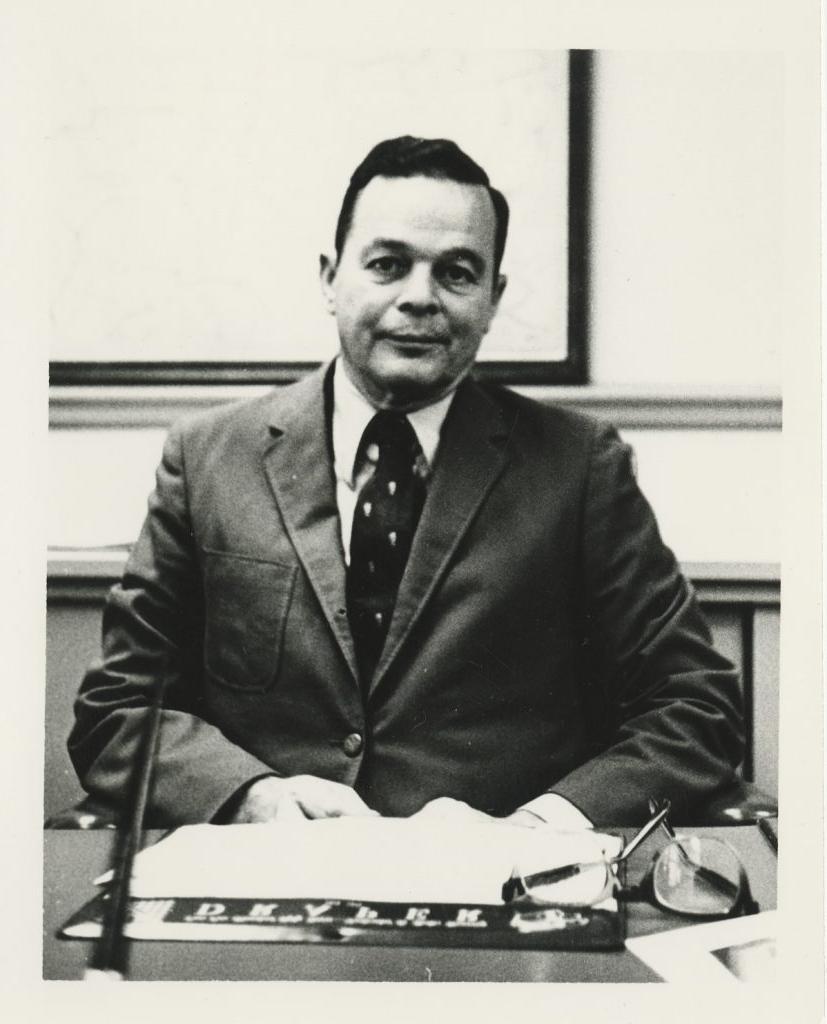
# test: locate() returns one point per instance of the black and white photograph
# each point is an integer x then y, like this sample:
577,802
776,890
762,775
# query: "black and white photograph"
432,402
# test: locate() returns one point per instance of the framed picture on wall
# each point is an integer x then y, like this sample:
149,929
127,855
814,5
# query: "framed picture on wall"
189,207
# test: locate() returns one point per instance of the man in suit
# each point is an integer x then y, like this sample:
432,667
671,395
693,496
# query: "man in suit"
389,589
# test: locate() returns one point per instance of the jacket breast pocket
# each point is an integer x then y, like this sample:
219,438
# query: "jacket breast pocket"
246,603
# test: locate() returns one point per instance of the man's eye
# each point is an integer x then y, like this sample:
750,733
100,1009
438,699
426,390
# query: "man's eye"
458,274
385,264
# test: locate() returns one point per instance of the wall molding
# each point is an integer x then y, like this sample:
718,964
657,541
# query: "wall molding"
751,583
86,575
147,406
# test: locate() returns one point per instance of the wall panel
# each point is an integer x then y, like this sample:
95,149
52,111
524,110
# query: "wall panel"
713,489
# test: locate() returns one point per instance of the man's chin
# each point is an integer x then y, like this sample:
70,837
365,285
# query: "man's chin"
407,383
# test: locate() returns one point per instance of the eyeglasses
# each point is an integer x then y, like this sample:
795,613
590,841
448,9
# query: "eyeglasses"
696,876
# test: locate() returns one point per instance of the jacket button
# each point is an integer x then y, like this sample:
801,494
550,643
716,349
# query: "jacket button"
352,744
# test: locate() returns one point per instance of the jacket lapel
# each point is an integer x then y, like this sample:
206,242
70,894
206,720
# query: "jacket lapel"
298,465
472,455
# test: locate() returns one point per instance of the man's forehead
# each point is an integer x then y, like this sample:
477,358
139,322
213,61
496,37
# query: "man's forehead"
390,207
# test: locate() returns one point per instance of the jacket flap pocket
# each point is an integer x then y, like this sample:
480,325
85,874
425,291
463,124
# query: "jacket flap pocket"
247,601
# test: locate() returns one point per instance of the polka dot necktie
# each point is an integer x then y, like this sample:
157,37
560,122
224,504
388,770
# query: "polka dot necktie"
384,522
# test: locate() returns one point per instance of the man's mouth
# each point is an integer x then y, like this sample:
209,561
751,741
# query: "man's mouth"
415,340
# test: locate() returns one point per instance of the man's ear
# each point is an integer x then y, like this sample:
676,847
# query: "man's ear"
499,288
327,276
496,295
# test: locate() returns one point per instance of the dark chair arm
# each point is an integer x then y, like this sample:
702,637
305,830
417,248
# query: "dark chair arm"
88,814
738,803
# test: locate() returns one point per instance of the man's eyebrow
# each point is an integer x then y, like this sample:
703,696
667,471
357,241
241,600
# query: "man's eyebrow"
459,253
385,243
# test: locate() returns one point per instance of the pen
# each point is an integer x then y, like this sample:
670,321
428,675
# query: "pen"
110,955
770,832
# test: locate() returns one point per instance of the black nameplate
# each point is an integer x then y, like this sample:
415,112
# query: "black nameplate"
353,922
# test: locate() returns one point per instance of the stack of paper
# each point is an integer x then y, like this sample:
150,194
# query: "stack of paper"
370,859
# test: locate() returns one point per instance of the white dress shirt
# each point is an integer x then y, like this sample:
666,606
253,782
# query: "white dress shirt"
351,414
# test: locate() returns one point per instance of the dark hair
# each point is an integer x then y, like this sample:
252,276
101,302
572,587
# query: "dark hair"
409,157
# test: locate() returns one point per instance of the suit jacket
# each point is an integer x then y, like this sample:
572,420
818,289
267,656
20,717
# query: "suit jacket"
543,637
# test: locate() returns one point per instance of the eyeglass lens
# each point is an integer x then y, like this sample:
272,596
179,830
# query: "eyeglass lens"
586,887
696,875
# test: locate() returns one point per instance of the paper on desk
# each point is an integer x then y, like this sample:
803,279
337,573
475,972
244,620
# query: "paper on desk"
740,949
371,859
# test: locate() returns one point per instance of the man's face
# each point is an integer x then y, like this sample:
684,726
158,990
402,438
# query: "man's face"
413,292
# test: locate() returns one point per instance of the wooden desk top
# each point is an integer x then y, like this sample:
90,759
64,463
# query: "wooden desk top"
73,858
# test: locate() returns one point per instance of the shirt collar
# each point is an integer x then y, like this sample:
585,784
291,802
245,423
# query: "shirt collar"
352,412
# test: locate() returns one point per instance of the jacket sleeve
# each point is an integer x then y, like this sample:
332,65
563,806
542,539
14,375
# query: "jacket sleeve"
153,625
667,708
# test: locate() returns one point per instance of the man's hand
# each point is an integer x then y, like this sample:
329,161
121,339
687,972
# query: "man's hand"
524,817
445,808
297,798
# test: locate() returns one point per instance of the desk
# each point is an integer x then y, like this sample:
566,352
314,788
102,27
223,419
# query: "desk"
73,858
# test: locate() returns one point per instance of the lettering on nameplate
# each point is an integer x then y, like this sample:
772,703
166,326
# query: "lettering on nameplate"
468,917
210,910
319,912
263,909
417,914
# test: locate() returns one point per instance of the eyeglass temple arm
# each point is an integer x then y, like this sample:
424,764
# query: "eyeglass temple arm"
654,807
644,833
657,805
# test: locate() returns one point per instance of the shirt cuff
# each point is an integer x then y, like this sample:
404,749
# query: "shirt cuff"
558,812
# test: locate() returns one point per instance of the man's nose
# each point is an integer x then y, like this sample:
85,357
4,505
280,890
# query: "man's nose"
417,293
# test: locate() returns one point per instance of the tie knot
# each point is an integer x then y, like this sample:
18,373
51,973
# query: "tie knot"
389,438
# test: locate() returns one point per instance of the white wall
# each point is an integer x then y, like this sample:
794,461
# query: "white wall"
688,231
716,493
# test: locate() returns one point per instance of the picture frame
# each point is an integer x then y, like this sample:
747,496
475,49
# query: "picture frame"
567,365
